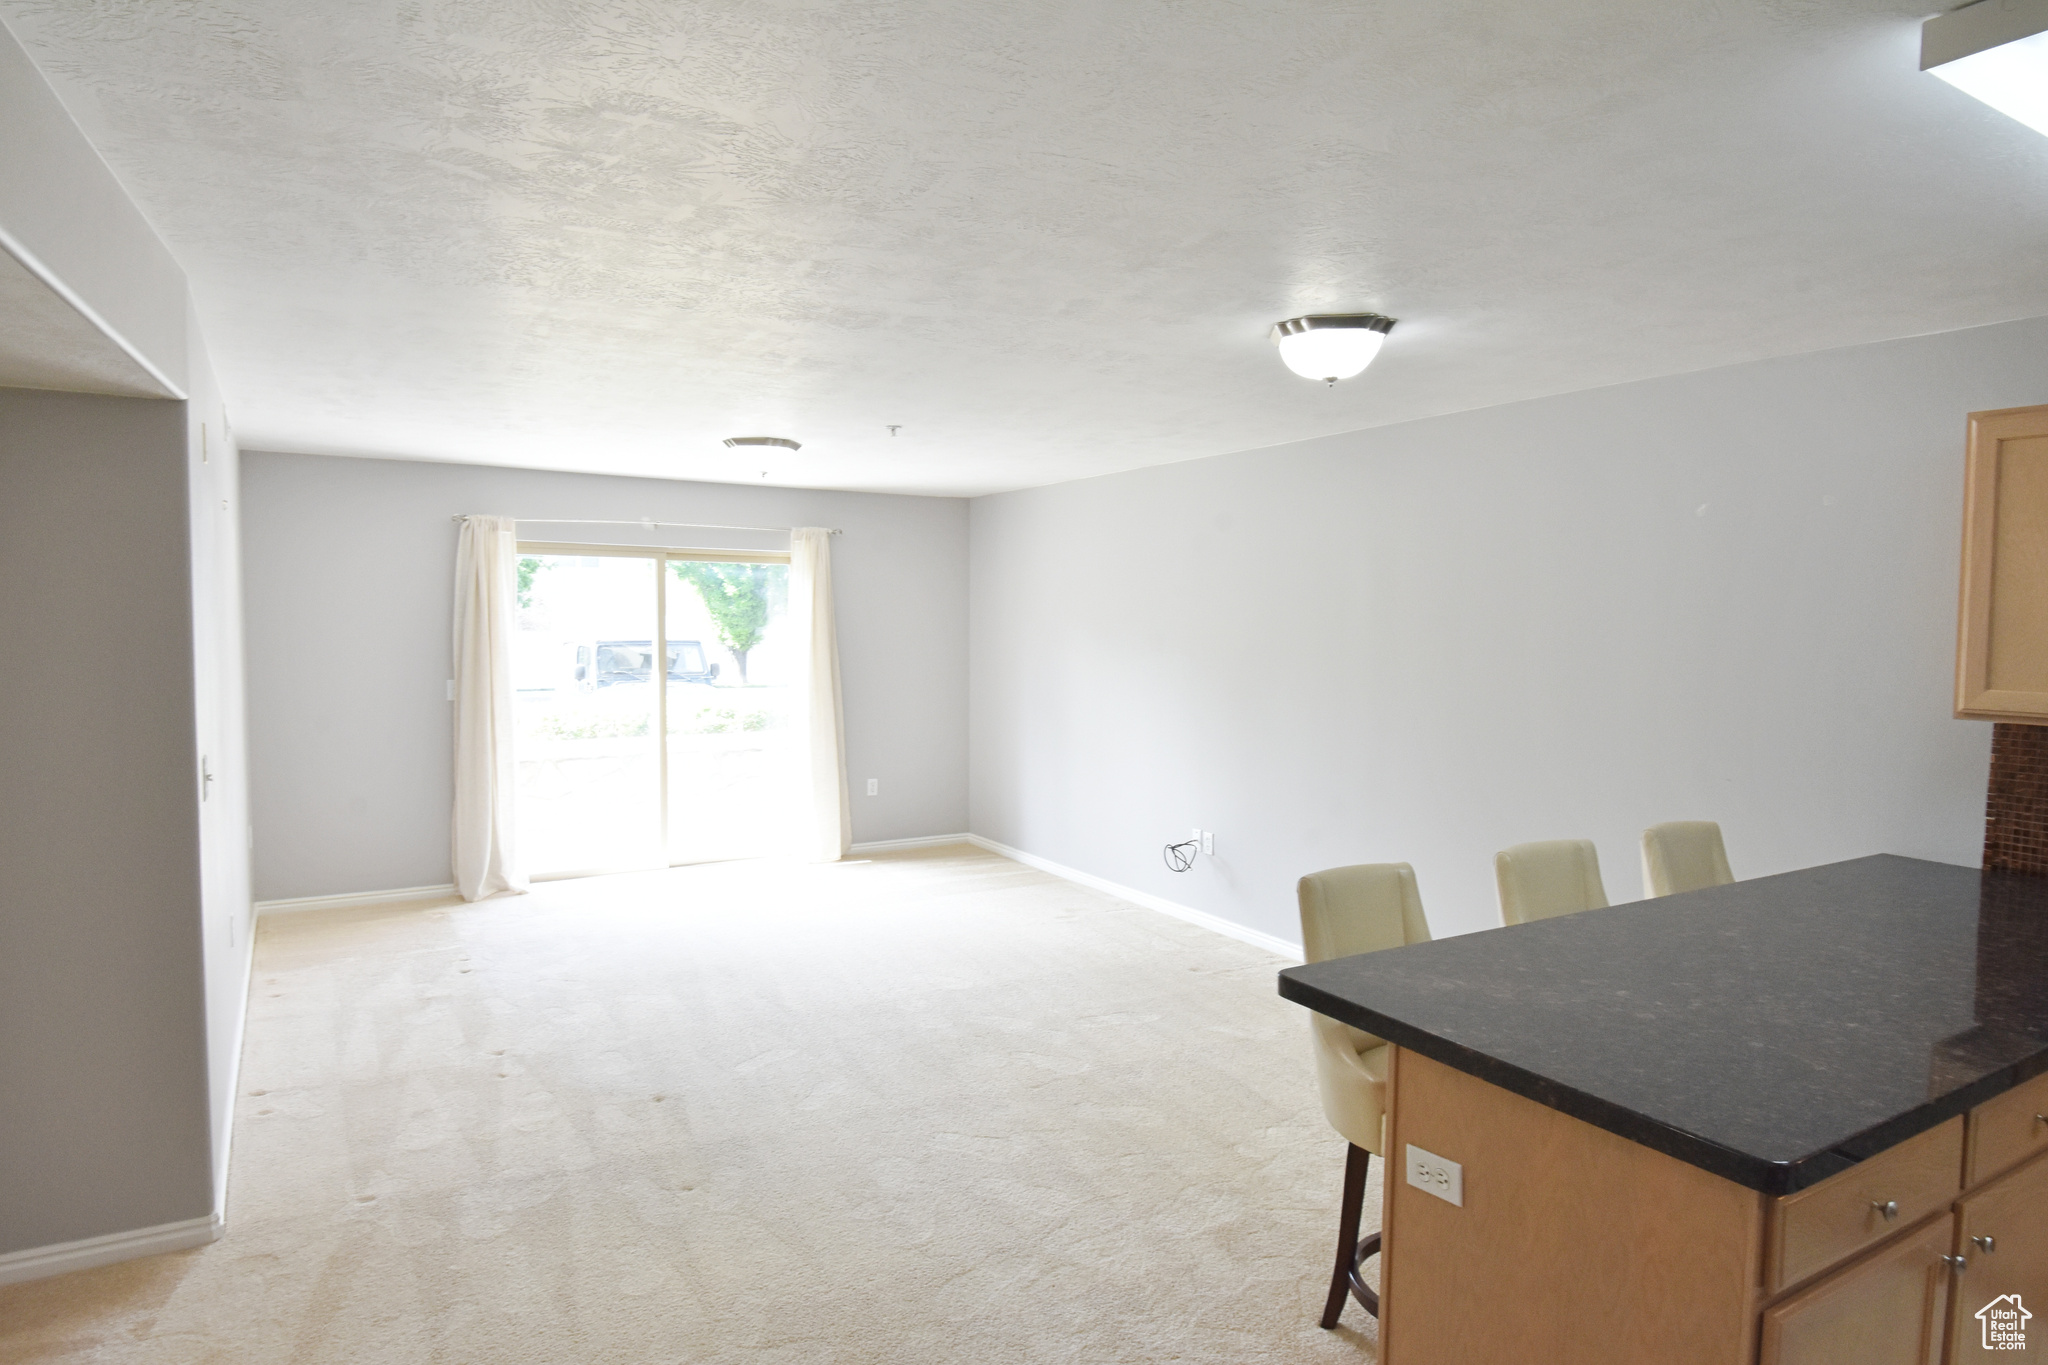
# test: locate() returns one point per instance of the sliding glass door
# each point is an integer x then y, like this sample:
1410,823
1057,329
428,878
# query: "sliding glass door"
652,699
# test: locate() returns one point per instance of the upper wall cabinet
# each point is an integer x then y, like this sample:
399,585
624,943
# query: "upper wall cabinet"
2002,655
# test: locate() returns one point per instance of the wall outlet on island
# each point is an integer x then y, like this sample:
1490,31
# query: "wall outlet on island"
1434,1175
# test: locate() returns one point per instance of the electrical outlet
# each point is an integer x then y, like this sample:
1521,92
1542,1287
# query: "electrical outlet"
1432,1174
1209,842
874,786
451,689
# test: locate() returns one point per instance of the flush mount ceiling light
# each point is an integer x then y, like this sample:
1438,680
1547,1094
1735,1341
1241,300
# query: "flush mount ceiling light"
1332,346
779,442
1996,50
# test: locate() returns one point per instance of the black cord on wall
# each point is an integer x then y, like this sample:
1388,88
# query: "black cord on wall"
1181,856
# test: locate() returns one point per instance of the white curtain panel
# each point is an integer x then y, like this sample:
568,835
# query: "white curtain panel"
483,849
825,816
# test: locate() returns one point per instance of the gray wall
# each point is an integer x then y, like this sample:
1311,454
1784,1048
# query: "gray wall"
103,1050
124,943
1727,595
348,572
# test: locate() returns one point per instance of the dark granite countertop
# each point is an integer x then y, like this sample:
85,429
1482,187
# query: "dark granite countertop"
1774,1032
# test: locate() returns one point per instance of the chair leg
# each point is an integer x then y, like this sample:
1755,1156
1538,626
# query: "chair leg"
1350,1251
1367,1296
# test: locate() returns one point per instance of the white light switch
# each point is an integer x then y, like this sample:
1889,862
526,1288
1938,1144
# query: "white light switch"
1430,1172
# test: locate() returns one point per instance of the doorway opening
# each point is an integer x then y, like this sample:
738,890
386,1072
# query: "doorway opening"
652,694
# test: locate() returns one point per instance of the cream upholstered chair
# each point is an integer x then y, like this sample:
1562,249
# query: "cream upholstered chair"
1346,911
1556,877
1684,855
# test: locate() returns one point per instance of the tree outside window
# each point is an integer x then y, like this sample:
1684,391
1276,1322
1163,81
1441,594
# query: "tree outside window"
741,598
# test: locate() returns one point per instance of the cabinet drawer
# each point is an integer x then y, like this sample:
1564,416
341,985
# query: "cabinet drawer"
1887,1309
2007,1130
1837,1218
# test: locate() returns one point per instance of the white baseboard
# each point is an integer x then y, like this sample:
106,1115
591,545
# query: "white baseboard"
1215,923
1279,947
38,1263
922,841
403,893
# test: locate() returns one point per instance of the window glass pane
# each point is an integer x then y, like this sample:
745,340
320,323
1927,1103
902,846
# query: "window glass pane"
729,691
584,703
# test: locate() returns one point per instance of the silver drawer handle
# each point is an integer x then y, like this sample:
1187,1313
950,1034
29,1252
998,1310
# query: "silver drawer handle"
1887,1208
1956,1263
1986,1244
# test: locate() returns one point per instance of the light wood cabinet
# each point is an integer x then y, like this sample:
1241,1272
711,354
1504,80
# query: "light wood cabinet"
2007,1271
1891,1308
1819,1227
2002,651
2007,1130
1574,1244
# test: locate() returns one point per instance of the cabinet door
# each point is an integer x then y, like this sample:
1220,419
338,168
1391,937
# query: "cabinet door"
2002,655
2004,1289
1887,1309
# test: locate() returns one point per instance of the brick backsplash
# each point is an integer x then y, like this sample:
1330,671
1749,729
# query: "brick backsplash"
2016,810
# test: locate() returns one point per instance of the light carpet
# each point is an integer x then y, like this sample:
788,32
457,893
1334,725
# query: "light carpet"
930,1107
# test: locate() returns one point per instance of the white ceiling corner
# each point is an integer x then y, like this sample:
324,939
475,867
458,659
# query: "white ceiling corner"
1044,237
49,344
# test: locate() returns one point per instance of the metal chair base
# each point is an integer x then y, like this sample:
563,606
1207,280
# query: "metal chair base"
1347,1277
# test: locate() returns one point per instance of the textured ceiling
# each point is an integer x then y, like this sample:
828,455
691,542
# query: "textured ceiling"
48,344
1044,237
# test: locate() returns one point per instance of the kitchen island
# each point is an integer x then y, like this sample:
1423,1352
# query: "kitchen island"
1791,1120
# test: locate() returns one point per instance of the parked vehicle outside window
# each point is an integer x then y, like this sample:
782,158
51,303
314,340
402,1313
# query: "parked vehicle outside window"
541,665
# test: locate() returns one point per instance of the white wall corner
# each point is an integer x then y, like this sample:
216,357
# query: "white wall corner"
38,1263
1279,947
67,218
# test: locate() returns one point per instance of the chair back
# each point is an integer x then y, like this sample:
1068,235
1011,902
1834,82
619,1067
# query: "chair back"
1345,911
1684,855
1360,909
1553,877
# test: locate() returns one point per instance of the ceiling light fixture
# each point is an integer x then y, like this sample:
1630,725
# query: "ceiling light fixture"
1995,50
779,441
1331,346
